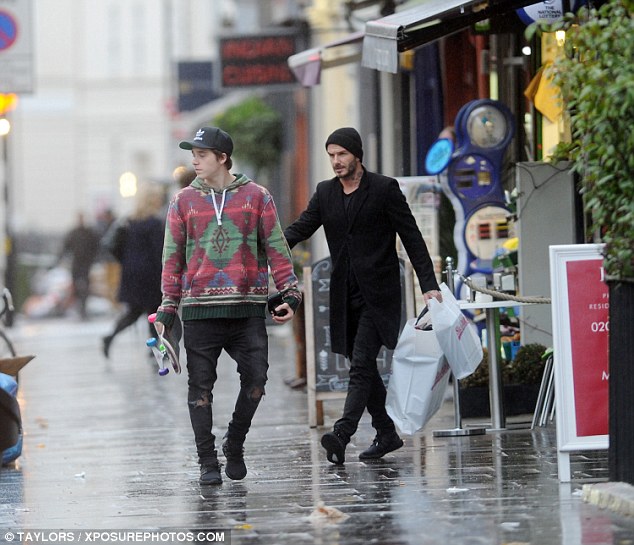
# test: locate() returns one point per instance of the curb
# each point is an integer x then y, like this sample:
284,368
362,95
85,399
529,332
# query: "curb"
615,496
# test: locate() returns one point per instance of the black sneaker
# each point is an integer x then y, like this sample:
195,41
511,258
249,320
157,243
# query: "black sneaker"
335,447
210,474
235,469
381,445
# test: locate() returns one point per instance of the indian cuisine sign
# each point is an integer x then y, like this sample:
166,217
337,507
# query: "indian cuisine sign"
258,59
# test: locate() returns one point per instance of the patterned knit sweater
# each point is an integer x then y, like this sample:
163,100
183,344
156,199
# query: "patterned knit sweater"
217,252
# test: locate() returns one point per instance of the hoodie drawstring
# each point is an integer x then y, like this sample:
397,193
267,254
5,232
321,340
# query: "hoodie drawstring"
222,204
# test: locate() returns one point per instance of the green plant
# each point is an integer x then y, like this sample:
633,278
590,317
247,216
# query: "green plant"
528,365
596,82
256,129
526,368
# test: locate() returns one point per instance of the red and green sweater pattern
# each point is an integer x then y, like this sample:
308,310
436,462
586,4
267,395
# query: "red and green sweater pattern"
216,258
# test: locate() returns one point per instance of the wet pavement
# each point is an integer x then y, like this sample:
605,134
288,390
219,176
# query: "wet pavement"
108,445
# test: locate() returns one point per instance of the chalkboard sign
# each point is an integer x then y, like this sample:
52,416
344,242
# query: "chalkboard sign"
331,369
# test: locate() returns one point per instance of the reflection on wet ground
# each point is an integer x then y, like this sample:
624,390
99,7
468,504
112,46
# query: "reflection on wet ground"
108,445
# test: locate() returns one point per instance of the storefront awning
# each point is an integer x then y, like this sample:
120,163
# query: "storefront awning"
307,65
433,19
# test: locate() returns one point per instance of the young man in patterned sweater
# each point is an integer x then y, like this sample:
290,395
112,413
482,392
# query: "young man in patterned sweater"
222,235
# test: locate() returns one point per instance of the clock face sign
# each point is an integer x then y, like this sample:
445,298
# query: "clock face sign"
487,126
484,130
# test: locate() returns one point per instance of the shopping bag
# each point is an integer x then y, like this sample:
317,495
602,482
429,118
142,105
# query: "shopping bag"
456,335
420,375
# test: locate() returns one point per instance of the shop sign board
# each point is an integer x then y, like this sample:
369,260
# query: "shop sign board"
257,60
195,85
580,307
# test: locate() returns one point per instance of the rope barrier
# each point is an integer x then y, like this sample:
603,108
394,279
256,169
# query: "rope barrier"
505,296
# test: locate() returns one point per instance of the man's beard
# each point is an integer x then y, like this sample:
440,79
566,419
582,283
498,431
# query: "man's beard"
349,171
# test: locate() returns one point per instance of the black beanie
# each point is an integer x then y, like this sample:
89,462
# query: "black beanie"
348,138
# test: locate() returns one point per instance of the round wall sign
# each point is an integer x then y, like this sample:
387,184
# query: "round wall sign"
8,30
438,156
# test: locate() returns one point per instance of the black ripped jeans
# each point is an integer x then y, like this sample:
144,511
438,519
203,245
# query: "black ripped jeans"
246,341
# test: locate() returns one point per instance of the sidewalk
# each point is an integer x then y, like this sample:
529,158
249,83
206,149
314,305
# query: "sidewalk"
108,445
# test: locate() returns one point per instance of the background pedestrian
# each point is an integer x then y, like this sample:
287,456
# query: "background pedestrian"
141,249
81,245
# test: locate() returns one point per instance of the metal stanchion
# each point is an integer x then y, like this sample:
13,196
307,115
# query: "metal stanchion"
458,430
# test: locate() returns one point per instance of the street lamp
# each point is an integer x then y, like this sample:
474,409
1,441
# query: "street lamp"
127,184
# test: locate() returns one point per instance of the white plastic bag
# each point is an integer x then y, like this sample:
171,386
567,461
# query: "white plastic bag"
456,335
420,375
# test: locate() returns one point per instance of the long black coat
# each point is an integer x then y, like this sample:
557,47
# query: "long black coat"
379,211
141,264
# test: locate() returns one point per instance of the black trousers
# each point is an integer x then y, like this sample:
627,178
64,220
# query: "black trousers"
130,317
365,389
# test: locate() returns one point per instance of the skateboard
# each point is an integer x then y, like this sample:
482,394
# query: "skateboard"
163,351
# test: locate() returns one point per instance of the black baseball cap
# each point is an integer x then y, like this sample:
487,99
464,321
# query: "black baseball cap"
210,138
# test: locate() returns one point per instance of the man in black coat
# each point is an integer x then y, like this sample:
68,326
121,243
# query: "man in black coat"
362,212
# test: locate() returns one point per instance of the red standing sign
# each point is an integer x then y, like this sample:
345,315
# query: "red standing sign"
580,309
589,310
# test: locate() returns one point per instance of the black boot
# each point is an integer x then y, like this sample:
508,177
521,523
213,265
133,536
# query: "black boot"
210,471
335,444
210,474
382,444
235,469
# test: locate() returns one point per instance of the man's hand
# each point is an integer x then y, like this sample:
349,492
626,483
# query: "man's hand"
435,294
283,313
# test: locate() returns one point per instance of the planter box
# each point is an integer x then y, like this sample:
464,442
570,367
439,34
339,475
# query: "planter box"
518,399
